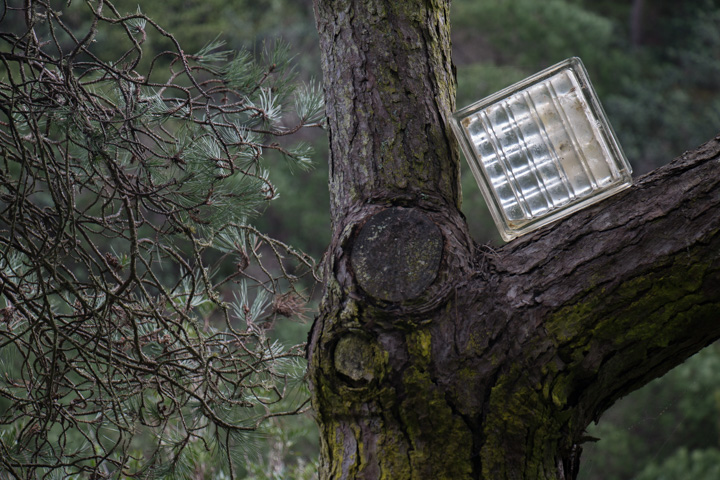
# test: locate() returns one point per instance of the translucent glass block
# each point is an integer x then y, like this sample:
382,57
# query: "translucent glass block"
541,149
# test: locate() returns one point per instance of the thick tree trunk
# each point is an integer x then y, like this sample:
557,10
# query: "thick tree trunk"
434,358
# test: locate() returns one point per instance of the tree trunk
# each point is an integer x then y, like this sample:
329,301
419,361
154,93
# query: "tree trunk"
435,358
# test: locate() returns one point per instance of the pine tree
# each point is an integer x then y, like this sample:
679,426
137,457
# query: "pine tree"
126,200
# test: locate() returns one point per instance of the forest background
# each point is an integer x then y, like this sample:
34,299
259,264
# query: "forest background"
656,68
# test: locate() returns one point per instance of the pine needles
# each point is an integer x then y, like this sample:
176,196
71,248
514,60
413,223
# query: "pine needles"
124,207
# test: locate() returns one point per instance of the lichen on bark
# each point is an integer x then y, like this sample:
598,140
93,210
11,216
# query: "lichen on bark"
443,359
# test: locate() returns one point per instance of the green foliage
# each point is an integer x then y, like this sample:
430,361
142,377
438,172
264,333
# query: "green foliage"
672,423
126,188
673,102
537,34
288,439
658,84
696,464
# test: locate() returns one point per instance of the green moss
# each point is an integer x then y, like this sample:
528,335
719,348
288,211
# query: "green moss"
419,343
675,288
349,313
648,312
440,439
521,428
421,436
355,357
561,388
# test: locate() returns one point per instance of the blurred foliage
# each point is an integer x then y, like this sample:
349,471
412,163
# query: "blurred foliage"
685,465
656,73
671,424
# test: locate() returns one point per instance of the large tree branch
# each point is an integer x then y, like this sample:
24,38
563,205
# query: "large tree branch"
586,310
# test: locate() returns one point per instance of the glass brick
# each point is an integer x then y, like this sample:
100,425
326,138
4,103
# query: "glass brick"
541,149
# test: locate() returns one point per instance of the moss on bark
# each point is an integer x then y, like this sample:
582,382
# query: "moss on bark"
493,362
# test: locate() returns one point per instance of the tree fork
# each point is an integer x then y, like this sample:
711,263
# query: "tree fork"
433,357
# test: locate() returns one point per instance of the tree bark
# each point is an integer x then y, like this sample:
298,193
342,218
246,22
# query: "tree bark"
436,358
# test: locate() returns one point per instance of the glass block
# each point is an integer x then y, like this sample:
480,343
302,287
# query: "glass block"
541,149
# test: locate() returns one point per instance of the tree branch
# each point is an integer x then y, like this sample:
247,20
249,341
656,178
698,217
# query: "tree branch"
581,313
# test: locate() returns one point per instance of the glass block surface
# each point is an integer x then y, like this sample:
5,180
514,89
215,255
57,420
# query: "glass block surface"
541,149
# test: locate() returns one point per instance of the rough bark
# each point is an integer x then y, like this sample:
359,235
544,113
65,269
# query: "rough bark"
435,358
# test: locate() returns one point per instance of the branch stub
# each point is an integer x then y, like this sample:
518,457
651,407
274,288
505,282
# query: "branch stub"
397,254
356,358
